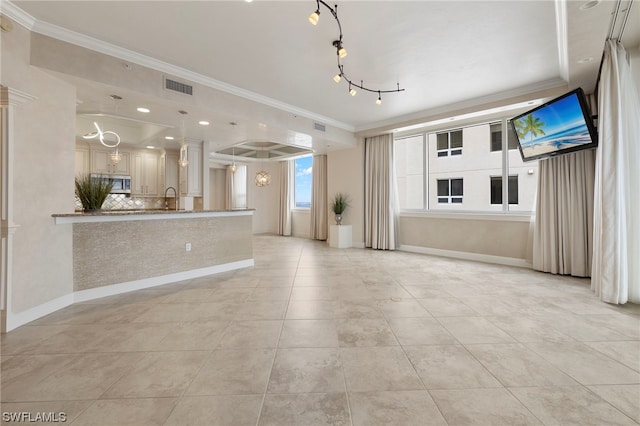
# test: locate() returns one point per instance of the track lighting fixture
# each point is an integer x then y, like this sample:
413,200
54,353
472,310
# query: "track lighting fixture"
315,17
341,52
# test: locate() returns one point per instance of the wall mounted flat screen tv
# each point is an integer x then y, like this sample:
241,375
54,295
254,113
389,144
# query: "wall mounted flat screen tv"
560,126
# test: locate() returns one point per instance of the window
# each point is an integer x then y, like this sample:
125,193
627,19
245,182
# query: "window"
496,189
496,137
303,173
469,182
450,191
450,143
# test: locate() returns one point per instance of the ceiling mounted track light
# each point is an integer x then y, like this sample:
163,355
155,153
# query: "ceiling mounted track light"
341,52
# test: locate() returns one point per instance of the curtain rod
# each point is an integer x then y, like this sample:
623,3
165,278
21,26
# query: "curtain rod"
614,19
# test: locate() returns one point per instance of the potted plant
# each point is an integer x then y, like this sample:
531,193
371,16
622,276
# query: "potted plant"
338,206
92,191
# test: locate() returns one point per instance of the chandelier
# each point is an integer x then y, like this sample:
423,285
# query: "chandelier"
263,178
341,52
107,141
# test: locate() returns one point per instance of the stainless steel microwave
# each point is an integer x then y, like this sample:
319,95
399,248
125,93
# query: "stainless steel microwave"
121,184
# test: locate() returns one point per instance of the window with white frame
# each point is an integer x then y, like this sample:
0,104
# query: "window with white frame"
496,189
303,175
425,183
449,143
496,137
450,191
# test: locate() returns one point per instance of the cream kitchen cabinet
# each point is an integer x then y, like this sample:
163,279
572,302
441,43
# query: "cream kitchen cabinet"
145,173
101,162
171,170
191,175
83,161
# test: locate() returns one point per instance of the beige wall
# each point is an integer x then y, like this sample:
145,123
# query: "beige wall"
43,170
345,171
264,199
500,238
301,223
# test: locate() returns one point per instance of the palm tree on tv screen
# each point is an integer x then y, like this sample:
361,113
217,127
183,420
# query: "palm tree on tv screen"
531,126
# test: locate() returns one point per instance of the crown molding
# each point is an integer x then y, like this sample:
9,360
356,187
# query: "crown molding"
16,14
69,36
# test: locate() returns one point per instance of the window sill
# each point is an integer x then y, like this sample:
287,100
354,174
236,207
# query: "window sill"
498,216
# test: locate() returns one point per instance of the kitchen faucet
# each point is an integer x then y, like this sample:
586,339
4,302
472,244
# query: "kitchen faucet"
175,195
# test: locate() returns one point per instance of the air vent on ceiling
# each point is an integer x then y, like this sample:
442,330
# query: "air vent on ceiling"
320,127
177,86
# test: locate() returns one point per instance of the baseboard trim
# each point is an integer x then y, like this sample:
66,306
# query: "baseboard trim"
487,258
112,290
15,320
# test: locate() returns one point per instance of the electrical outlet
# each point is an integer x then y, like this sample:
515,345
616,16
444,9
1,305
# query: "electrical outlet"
187,247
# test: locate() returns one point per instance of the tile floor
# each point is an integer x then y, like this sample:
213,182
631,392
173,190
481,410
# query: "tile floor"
319,336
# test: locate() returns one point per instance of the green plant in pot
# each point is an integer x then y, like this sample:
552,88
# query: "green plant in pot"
92,191
338,206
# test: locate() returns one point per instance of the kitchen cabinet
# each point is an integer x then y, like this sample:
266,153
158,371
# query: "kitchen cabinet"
144,173
101,162
83,161
191,175
171,171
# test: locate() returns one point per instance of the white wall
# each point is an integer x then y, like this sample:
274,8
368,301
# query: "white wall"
43,167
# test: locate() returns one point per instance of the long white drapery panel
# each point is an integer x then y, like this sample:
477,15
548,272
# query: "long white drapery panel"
319,207
562,240
380,216
284,214
228,193
615,276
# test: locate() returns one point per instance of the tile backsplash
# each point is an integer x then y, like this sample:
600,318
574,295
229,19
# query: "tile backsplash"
122,202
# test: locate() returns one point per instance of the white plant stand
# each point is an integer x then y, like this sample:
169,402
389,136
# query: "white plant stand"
340,236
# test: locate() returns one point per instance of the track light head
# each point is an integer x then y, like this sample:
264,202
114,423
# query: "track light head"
337,78
379,101
314,17
352,91
342,52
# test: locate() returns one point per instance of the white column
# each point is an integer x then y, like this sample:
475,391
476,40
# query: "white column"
9,99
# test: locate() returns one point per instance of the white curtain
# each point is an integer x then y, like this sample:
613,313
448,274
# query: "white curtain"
562,239
615,276
319,206
228,193
236,188
286,195
380,220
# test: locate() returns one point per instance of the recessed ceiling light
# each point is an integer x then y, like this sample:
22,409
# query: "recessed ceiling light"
203,123
150,146
585,60
590,4
169,138
142,109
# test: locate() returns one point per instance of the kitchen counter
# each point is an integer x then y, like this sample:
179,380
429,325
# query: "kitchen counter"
123,215
120,251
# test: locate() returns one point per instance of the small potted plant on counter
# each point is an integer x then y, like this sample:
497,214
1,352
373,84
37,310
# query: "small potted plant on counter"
338,206
92,192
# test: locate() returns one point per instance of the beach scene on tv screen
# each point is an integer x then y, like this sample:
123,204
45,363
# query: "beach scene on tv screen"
555,127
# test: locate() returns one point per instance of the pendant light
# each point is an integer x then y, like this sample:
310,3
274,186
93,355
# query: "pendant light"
233,166
263,178
183,160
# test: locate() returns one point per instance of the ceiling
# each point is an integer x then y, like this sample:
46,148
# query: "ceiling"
442,53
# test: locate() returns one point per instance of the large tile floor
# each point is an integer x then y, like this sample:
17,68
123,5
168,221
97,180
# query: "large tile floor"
319,336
